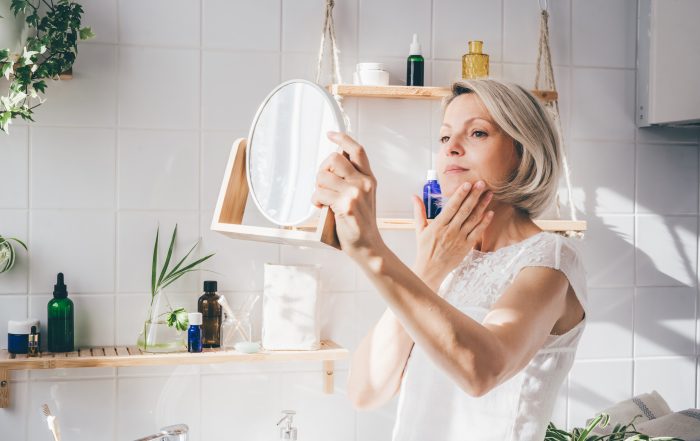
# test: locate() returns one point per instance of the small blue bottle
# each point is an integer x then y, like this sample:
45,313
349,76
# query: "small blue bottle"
194,333
432,196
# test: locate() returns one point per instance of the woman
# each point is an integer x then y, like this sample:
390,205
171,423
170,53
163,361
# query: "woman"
481,333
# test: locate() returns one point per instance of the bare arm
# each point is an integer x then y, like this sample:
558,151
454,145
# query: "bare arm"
378,363
477,356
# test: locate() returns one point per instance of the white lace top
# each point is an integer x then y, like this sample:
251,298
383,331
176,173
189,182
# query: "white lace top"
432,407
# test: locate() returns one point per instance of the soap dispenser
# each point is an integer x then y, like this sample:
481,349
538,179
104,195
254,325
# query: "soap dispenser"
60,315
288,431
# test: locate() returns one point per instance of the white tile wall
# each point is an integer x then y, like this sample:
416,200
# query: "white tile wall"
140,137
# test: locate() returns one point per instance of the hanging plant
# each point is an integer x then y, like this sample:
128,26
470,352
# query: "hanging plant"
49,51
8,254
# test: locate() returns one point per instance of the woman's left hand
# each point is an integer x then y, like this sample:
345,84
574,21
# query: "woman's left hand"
346,184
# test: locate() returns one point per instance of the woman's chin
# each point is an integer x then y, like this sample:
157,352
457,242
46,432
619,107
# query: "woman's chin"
449,186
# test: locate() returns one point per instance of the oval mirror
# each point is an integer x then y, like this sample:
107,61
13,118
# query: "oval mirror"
286,145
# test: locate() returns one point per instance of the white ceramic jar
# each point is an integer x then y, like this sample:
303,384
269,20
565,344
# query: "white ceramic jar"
371,74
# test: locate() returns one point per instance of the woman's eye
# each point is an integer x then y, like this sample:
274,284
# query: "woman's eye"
444,139
479,133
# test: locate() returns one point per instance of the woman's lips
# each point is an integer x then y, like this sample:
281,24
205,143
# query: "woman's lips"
454,169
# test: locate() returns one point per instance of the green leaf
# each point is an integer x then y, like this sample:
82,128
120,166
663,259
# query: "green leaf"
179,273
86,33
168,256
154,265
178,318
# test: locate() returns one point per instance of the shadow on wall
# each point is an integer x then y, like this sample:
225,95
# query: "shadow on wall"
626,265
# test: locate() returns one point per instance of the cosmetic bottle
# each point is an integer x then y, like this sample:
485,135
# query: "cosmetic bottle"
210,308
19,333
432,196
60,313
33,343
415,64
194,332
475,64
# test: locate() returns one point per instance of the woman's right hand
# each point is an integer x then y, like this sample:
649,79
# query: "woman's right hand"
443,244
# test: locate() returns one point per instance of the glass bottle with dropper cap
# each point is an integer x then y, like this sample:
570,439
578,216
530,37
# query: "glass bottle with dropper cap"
415,64
60,336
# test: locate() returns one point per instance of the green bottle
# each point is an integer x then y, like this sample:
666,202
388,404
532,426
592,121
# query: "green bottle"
60,314
414,64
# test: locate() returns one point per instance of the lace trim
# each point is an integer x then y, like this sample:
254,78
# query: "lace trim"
481,277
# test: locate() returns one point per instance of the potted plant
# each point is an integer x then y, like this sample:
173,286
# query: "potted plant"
54,29
7,253
620,432
163,329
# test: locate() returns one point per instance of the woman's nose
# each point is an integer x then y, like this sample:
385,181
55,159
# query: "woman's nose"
453,148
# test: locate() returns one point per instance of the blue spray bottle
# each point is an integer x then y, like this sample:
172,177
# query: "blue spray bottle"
432,196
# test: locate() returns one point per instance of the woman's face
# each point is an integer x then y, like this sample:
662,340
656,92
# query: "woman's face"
472,146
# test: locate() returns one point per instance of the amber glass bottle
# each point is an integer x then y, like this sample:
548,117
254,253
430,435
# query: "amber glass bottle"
210,308
475,63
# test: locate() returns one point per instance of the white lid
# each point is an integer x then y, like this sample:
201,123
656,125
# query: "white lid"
20,327
195,318
369,66
415,46
432,175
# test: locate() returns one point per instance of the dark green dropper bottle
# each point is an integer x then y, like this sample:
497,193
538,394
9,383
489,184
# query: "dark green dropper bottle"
60,314
415,64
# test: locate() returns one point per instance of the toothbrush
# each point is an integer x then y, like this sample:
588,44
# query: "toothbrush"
52,422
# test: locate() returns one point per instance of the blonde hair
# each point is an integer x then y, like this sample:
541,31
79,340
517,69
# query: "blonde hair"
534,183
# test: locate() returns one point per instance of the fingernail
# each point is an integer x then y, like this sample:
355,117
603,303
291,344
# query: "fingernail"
466,185
480,185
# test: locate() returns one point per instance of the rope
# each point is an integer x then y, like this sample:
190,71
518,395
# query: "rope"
544,60
329,28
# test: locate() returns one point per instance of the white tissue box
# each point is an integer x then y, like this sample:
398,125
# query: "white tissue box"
291,307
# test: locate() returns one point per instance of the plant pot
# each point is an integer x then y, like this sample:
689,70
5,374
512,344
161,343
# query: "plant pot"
13,30
156,335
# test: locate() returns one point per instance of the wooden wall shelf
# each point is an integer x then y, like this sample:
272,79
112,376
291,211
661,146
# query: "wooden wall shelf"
411,92
127,356
408,224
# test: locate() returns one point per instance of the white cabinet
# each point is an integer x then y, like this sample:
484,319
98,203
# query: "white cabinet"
668,63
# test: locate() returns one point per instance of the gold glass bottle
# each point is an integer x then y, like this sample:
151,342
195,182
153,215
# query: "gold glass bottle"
475,64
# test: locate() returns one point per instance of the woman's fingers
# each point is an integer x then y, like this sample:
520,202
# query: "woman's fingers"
358,156
324,196
454,203
469,204
477,213
331,181
419,216
338,164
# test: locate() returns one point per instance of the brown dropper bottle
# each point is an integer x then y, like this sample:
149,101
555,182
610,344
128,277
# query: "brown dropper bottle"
210,308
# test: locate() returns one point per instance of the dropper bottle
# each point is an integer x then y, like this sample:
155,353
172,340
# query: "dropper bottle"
415,64
60,316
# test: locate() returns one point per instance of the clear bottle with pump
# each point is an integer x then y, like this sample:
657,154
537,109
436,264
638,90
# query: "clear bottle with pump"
475,63
415,64
288,431
432,196
60,314
210,308
194,332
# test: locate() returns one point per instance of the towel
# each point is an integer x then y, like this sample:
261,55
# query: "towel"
650,406
684,425
291,307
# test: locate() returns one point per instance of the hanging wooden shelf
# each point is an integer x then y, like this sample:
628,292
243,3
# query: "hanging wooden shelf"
411,92
408,224
127,356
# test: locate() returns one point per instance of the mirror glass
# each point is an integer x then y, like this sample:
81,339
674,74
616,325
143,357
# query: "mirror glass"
286,145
